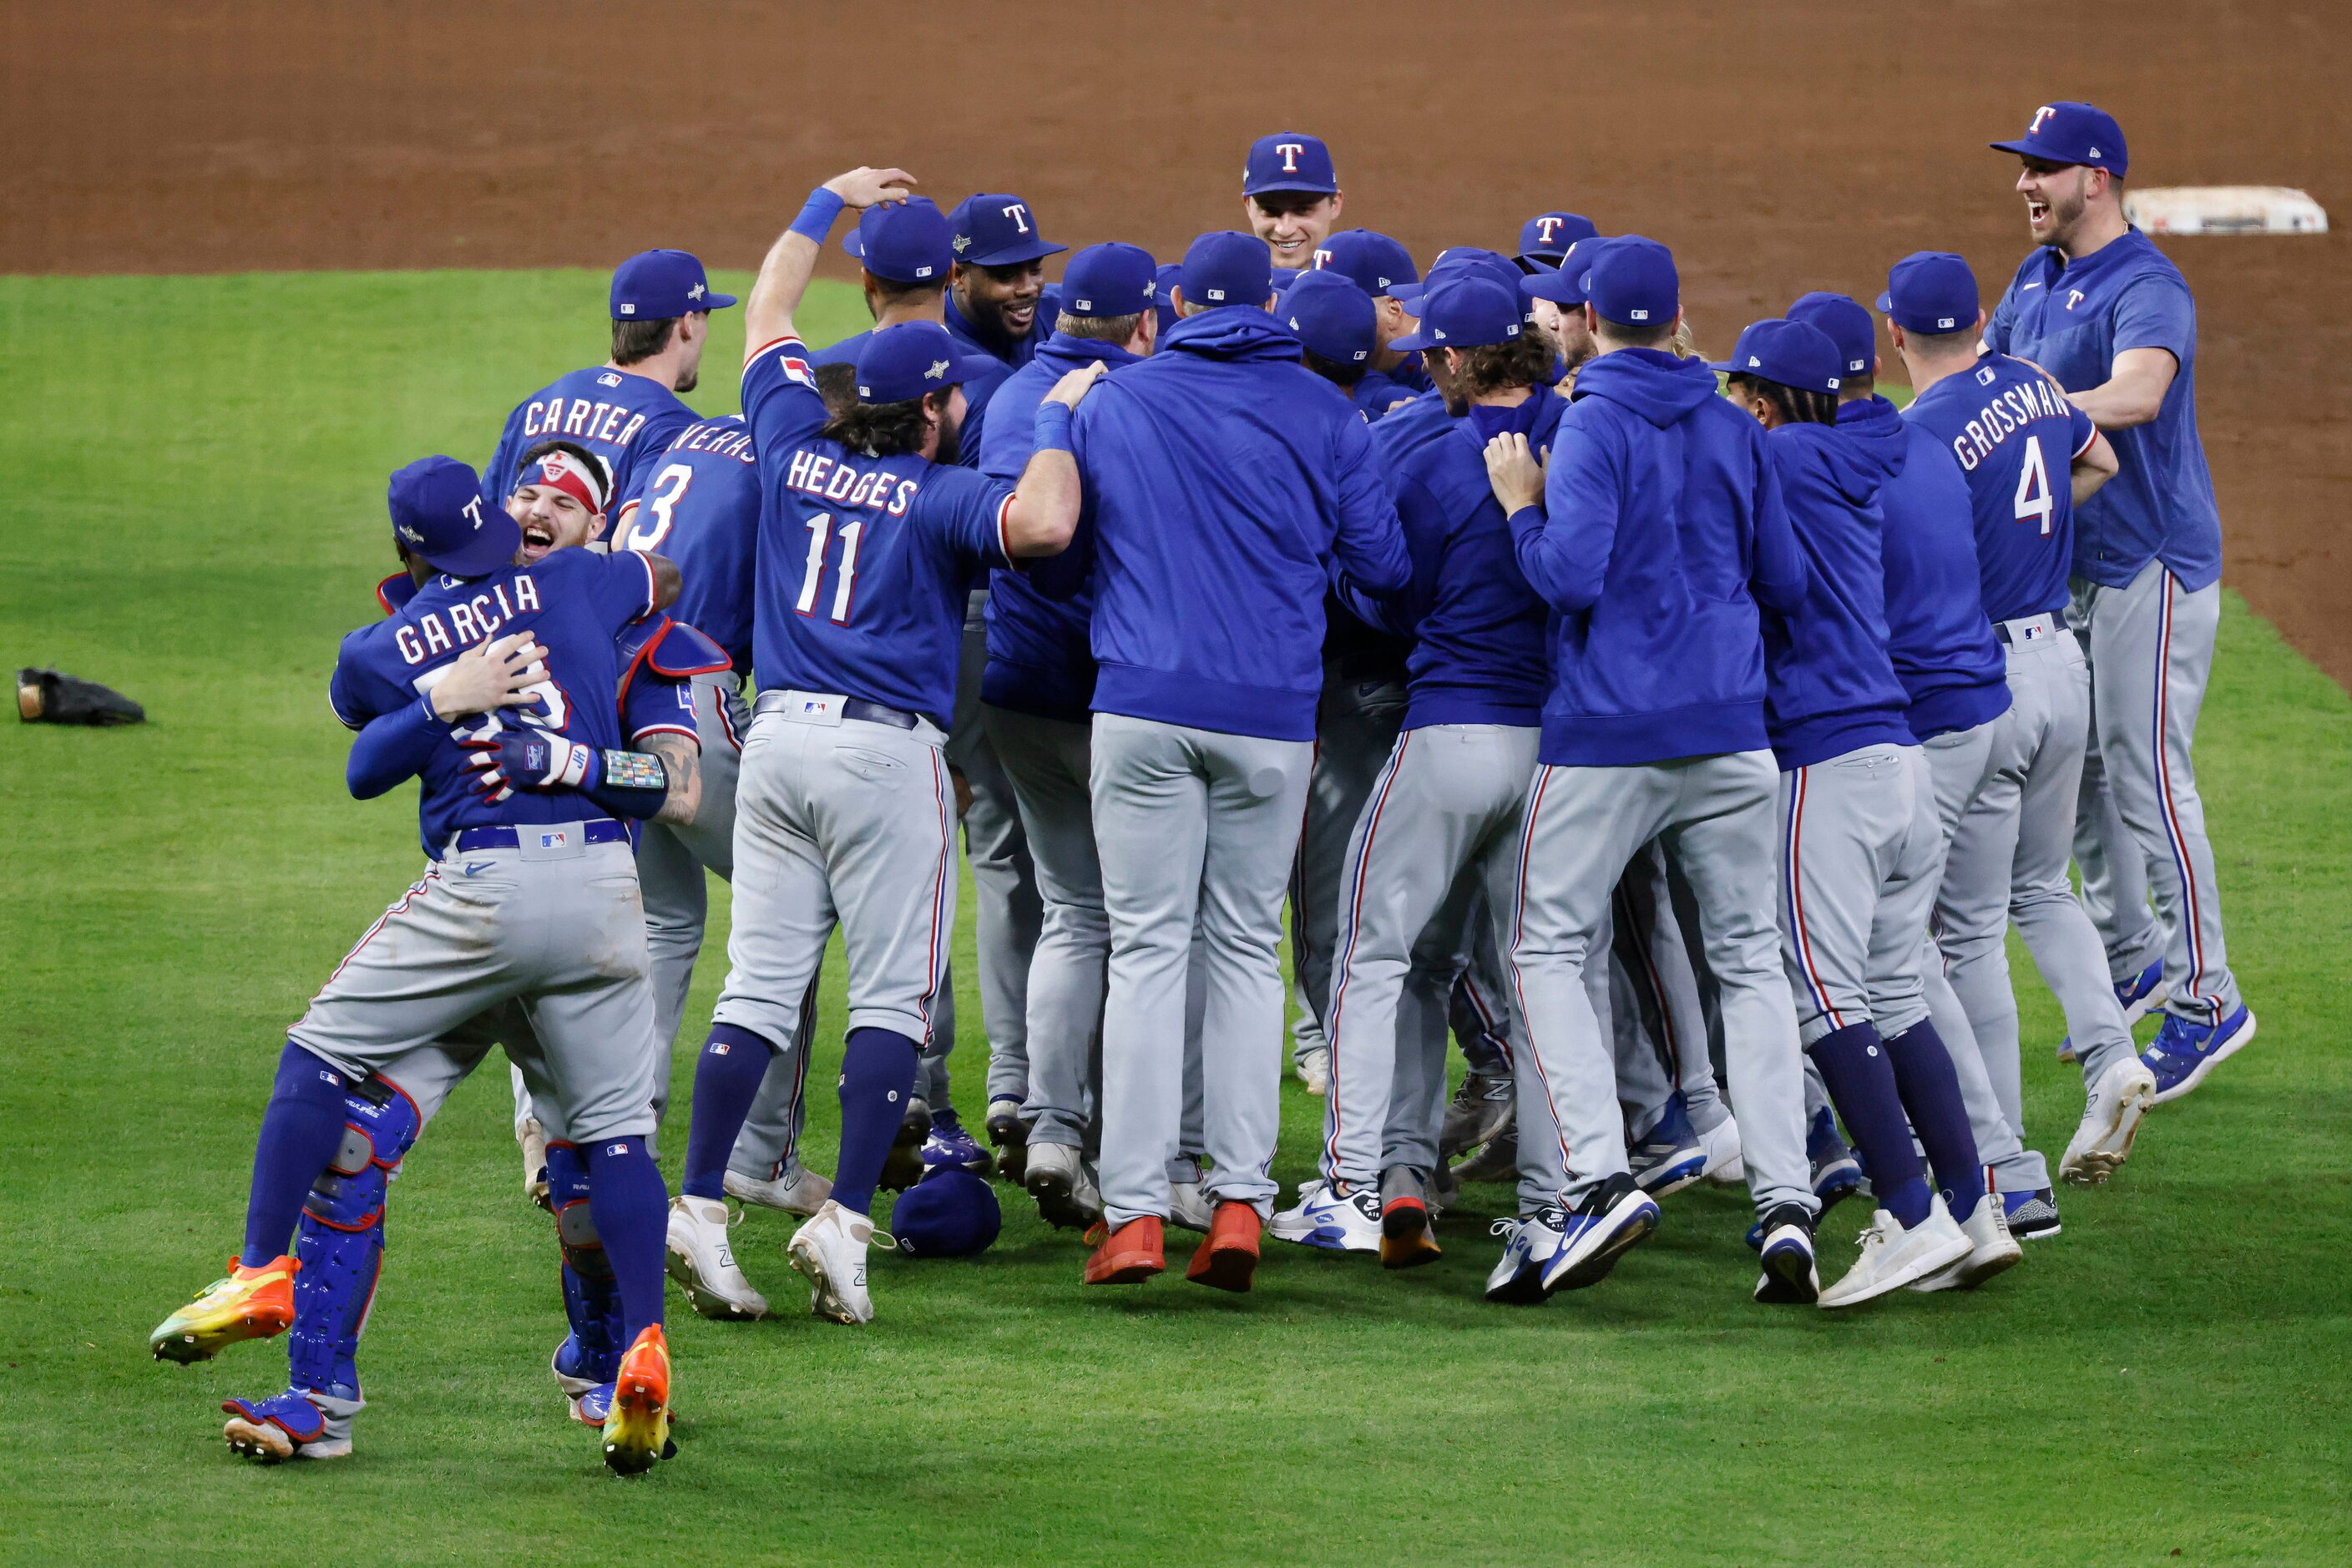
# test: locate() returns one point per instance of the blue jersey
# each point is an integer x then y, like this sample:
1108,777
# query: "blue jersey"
698,503
980,391
622,417
573,603
1375,393
865,563
2016,440
2073,319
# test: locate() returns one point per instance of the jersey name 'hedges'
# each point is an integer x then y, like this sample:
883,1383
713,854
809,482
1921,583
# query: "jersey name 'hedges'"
2002,416
473,620
813,473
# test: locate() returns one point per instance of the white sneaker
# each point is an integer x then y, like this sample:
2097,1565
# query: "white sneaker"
1725,1167
829,1251
1334,1221
703,1264
798,1191
1188,1207
1056,1176
2110,1121
1529,1243
1991,1249
1893,1257
533,1139
1315,1070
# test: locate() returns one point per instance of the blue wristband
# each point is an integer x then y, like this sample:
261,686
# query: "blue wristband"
816,217
1053,428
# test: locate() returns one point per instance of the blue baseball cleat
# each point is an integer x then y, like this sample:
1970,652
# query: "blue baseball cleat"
1669,1156
1837,1174
950,1144
2032,1216
579,1368
2182,1053
1530,1242
2139,996
1784,1238
1612,1218
591,1405
295,1425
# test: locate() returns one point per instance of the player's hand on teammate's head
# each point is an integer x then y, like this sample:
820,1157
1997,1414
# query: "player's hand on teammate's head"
865,187
494,674
1515,473
1075,383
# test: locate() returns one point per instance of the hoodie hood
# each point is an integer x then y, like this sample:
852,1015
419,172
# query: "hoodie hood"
1232,333
1652,383
1837,458
1874,427
1068,354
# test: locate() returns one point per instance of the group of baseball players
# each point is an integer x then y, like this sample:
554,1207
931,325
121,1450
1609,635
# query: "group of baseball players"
1681,737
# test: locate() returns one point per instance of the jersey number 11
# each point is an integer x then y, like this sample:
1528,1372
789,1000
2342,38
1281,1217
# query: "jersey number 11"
820,529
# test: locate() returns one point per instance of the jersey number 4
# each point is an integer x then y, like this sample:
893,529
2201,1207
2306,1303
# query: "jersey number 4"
820,529
661,500
2034,499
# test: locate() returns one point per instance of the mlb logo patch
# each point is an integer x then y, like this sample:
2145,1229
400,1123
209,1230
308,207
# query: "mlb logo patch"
1984,377
554,840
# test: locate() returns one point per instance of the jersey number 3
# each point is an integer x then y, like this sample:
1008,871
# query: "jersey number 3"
661,500
2033,496
820,529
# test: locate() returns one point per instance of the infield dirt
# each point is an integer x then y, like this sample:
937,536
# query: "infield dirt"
1776,148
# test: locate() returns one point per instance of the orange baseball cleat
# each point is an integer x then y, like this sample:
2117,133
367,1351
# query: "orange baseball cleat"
636,1429
1129,1254
249,1304
1228,1259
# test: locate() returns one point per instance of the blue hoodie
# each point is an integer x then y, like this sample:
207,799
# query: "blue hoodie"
1039,661
1831,686
1943,647
1661,527
1479,653
1222,479
1375,393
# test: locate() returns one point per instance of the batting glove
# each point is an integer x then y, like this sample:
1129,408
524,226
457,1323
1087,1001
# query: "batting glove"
511,759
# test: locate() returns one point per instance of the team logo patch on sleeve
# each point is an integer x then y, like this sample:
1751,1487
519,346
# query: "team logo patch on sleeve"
798,370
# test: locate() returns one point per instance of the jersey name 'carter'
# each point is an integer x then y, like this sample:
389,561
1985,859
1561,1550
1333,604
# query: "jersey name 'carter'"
813,473
473,620
580,420
2002,416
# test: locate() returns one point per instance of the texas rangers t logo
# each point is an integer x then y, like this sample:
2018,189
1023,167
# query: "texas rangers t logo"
2040,115
474,510
1548,227
1290,150
1019,215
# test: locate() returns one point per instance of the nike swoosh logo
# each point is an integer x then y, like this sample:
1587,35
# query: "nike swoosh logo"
472,867
2023,286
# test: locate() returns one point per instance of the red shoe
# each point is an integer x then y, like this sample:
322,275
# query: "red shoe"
1129,1254
636,1429
249,1304
1229,1257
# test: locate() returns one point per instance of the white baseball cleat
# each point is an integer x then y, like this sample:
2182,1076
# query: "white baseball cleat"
1991,1249
2111,1119
1893,1257
1056,1176
703,1263
829,1252
1315,1070
798,1191
532,1137
1725,1167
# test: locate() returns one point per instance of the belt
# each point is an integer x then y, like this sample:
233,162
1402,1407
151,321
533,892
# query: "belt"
851,708
598,830
2027,629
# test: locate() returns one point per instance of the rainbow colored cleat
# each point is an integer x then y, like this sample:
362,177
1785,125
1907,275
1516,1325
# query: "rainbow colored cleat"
636,1429
249,1304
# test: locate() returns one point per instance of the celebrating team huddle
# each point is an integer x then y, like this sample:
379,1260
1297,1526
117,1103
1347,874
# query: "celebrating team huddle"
1680,739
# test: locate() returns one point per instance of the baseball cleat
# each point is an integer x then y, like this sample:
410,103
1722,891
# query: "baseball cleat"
637,1430
1128,1255
1528,1243
1497,1161
1668,1157
577,1369
703,1264
1333,1217
829,1252
2111,1119
249,1304
532,1137
1785,1242
1613,1217
1188,1207
1408,1231
2030,1216
1725,1165
1481,1111
1991,1249
798,1191
2182,1053
916,1125
1227,1260
902,1167
1057,1178
1893,1257
1008,1136
295,1425
2139,996
593,1406
1837,1174
1315,1070
948,1144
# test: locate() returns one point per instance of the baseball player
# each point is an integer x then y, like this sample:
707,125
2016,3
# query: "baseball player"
1654,725
1558,297
1223,478
2101,309
1378,264
532,899
626,408
844,811
1546,239
1290,199
2009,430
904,250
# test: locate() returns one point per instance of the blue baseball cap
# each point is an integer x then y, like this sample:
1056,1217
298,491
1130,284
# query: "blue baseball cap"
1789,353
950,1213
1632,282
905,242
1111,280
993,229
1460,262
905,362
1288,160
1225,266
1465,314
1163,294
1377,263
1931,292
1563,284
438,512
1332,316
1841,318
2066,132
1546,236
655,285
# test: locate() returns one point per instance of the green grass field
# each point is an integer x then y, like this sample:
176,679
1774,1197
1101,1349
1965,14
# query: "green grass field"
194,514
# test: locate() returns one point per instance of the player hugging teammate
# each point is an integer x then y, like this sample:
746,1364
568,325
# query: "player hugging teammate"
1681,737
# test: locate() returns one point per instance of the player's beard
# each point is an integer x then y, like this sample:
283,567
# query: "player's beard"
950,441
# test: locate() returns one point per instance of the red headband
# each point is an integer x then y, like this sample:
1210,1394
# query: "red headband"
560,470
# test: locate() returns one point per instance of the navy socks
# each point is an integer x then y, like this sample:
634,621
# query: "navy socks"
300,1133
1861,1079
878,1074
1931,1097
631,1209
726,1080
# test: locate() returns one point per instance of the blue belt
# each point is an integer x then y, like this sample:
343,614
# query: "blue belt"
855,708
598,830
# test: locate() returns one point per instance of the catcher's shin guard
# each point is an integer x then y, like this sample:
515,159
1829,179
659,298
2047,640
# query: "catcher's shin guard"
339,1240
592,1298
